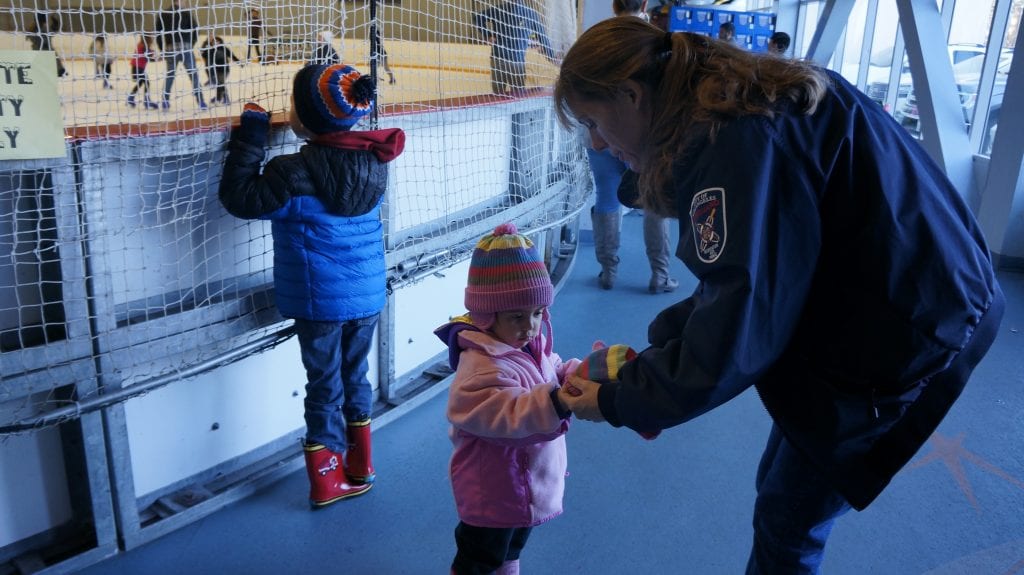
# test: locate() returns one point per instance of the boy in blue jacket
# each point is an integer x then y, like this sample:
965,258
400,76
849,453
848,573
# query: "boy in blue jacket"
329,273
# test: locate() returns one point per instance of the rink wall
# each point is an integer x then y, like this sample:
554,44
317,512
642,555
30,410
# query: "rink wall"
127,424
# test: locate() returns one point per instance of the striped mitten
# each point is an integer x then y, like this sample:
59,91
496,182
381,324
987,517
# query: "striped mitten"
603,365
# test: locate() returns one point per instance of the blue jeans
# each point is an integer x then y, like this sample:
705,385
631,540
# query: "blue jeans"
607,170
334,355
188,59
793,514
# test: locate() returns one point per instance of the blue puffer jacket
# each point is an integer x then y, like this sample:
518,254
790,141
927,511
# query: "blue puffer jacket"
324,203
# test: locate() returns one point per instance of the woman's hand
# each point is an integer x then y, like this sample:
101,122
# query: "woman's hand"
580,395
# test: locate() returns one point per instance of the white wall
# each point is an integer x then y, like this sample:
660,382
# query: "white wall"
252,402
34,485
596,10
422,307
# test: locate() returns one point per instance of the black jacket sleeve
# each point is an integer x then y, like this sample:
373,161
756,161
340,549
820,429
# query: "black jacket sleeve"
766,238
244,191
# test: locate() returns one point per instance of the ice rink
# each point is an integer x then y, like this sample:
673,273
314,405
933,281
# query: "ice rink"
426,73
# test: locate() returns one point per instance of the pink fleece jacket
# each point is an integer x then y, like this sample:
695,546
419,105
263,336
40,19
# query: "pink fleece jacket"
509,464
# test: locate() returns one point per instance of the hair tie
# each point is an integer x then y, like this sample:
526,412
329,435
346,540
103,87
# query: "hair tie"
666,53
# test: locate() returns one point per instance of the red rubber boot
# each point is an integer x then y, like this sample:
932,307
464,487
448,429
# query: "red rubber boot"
359,464
327,480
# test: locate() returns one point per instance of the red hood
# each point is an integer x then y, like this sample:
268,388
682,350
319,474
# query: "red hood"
385,144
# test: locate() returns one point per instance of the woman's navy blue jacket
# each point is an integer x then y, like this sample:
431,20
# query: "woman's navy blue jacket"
327,266
838,269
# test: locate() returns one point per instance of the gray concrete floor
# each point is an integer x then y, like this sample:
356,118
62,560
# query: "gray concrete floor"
678,505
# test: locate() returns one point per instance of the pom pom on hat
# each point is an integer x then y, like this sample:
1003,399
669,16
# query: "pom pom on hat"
506,272
332,98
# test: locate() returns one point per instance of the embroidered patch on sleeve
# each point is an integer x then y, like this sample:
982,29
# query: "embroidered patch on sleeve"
707,219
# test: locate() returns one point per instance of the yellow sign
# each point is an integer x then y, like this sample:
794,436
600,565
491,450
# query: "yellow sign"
31,123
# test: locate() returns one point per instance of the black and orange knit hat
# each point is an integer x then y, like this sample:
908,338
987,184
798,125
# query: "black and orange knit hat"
506,272
332,98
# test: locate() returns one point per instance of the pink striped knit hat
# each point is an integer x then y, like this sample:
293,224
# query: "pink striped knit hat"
507,273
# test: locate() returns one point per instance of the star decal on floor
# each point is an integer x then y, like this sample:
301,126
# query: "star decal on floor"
1001,559
951,452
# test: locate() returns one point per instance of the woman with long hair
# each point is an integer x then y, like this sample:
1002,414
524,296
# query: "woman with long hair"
840,272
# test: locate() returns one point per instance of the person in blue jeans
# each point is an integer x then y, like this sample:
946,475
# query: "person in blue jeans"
610,174
329,273
509,28
841,274
176,36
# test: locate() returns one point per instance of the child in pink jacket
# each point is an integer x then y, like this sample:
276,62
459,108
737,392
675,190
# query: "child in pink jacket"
508,425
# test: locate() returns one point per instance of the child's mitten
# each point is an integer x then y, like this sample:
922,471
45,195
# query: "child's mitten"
602,366
254,125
